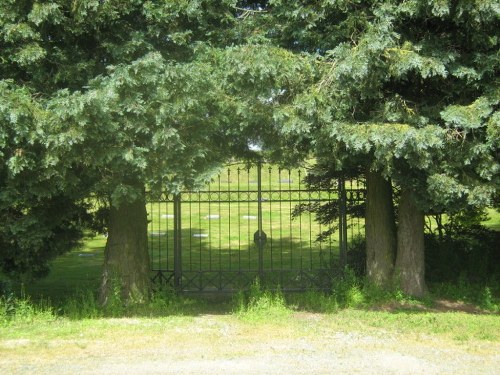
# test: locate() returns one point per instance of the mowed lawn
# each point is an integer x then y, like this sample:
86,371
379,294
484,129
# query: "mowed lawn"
218,224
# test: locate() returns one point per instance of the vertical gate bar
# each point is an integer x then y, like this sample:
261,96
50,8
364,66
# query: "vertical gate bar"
358,189
259,217
330,249
160,205
350,202
320,243
229,215
271,217
219,222
150,239
281,222
310,232
281,225
342,222
290,213
190,233
177,241
166,239
200,252
209,226
249,227
238,171
158,231
301,248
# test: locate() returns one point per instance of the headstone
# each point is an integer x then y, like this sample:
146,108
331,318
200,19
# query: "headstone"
209,217
157,234
286,181
85,255
200,235
167,216
249,217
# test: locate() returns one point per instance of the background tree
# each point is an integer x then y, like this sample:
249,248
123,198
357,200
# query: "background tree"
40,220
108,125
412,89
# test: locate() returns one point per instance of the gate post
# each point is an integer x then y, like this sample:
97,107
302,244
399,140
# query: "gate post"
342,222
260,233
177,241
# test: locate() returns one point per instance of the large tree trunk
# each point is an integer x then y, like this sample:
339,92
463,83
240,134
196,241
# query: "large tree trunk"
380,230
410,268
126,264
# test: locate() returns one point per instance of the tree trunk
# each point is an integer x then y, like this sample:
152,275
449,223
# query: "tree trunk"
410,268
380,230
126,263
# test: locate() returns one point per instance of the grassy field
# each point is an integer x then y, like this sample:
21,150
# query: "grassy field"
218,227
219,224
493,221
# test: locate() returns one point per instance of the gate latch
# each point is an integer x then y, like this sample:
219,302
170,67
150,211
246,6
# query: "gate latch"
260,238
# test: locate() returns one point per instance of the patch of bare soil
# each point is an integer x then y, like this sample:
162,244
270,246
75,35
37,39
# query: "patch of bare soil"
441,305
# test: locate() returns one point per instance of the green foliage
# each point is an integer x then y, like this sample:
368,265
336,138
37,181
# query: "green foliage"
469,251
42,215
19,311
260,304
356,255
84,305
321,302
81,306
408,89
99,97
108,97
347,290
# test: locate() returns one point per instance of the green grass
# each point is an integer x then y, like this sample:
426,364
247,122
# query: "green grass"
493,221
68,294
72,325
76,271
220,235
21,317
57,344
227,241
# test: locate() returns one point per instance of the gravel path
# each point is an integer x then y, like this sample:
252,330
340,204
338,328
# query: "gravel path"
214,345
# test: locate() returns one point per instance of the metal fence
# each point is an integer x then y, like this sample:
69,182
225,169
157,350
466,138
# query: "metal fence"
243,226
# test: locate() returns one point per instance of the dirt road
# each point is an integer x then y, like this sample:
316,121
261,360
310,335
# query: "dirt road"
224,345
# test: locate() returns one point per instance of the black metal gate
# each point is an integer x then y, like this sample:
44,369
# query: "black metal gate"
243,226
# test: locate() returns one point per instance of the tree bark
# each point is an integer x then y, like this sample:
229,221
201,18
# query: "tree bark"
410,267
380,230
126,264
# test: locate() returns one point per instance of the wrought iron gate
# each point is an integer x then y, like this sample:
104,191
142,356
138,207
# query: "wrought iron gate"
243,226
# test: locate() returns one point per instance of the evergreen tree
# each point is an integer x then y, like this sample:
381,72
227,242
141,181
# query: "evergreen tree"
112,100
409,89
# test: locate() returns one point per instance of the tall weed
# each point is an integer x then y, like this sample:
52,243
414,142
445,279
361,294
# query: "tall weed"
347,290
261,304
14,310
82,306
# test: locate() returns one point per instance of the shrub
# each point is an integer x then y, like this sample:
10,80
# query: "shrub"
469,252
347,289
356,255
23,310
260,304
